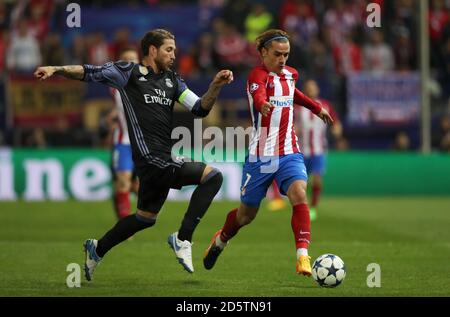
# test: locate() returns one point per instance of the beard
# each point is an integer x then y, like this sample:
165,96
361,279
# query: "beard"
161,65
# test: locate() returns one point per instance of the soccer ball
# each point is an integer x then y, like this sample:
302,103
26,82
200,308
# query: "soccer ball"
328,270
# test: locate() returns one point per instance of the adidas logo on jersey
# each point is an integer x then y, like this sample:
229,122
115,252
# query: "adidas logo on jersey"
142,78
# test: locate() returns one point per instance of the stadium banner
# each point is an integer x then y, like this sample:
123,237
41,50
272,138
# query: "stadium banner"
85,174
81,174
34,104
389,98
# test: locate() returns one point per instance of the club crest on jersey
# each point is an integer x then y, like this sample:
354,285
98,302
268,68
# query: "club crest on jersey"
143,70
253,87
169,83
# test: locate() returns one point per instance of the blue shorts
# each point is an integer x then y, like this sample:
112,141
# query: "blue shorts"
258,175
315,164
122,160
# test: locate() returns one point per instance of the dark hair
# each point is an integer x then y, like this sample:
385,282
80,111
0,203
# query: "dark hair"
156,38
271,35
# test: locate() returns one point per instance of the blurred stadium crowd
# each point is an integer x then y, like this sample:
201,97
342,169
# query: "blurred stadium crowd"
330,40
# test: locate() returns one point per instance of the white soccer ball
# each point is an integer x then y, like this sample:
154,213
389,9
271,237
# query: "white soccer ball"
328,270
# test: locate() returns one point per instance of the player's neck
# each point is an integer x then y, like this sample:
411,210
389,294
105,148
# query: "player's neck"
148,62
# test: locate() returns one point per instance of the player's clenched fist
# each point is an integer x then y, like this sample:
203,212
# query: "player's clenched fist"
266,108
43,73
223,77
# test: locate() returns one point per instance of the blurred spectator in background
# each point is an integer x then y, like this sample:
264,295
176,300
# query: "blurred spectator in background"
340,20
109,123
40,13
441,138
186,63
404,51
257,21
4,15
312,131
401,142
98,53
321,60
347,56
377,54
235,12
3,47
230,47
404,14
121,42
299,57
52,50
438,18
64,133
204,54
207,9
36,139
23,54
301,23
78,51
444,70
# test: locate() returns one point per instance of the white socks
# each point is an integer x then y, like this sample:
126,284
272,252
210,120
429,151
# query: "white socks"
220,243
302,251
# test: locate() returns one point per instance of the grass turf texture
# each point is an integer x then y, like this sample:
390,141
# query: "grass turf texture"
408,237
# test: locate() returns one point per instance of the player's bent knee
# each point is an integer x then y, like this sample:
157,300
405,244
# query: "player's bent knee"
213,178
298,197
146,219
123,182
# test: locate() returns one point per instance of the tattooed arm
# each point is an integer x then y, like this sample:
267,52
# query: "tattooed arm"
70,72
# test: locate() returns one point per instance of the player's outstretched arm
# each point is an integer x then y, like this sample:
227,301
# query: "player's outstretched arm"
70,72
209,98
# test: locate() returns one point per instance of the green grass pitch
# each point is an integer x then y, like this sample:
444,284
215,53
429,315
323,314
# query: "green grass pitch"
408,237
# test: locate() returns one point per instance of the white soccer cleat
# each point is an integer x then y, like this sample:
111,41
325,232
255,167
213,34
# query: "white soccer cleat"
92,259
183,251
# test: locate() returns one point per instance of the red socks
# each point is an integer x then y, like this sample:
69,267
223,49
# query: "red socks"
122,204
300,222
301,226
231,226
316,190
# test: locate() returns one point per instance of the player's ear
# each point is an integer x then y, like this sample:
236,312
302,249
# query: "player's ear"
153,51
263,52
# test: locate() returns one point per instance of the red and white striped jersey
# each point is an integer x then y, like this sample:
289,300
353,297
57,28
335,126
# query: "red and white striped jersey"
274,134
121,133
313,131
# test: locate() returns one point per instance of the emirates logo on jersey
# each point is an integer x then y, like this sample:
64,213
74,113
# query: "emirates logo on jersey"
253,87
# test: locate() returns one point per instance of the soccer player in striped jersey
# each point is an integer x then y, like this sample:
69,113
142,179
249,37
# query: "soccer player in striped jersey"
125,181
273,152
313,133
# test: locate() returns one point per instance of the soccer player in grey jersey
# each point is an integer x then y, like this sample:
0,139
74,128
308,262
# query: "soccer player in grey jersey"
149,91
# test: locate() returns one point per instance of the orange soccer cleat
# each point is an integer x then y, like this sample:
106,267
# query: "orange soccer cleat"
213,252
304,265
